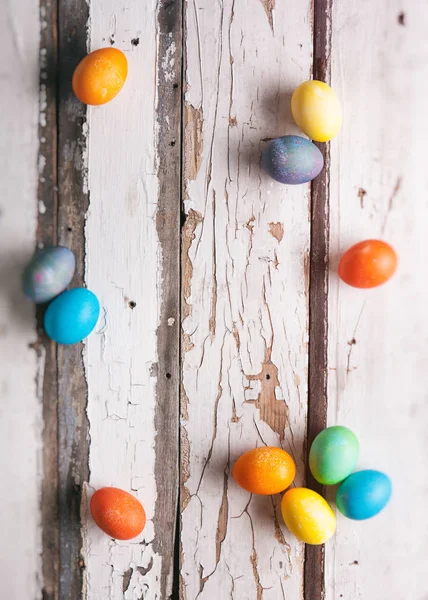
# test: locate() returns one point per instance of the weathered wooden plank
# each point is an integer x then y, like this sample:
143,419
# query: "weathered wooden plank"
132,238
73,441
45,348
377,338
318,296
20,395
245,284
169,109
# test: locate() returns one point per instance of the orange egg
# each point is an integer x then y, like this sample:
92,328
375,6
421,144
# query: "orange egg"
119,514
368,264
266,470
100,76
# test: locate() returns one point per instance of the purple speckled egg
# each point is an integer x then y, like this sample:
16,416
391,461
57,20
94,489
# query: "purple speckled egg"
292,159
48,273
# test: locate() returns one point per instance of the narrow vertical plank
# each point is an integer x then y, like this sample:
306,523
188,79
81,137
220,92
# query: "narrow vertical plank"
132,241
73,436
377,338
318,295
245,294
169,92
45,348
20,396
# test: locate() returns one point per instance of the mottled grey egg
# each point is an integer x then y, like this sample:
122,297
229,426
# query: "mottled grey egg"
48,273
292,159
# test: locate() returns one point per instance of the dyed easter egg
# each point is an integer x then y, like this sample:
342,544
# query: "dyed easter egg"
292,159
48,273
368,264
316,110
266,470
100,76
72,316
308,516
119,514
363,494
333,455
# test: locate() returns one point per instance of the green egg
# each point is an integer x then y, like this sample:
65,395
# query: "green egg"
333,455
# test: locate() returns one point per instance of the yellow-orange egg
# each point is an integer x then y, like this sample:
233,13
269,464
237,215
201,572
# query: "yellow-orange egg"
100,76
266,470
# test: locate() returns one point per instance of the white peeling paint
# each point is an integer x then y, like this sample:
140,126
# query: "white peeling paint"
247,308
378,352
122,264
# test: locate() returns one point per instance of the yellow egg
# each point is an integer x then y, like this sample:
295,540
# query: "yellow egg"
316,110
308,516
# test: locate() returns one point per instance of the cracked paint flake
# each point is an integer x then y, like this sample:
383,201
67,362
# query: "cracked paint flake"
193,141
269,6
276,230
273,411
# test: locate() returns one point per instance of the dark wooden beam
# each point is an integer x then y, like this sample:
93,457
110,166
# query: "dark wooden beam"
318,295
47,236
73,201
168,333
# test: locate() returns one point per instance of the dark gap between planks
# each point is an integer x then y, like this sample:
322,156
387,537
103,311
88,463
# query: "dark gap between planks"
314,585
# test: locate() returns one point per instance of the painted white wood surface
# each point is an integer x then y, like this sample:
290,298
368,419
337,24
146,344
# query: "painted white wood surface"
245,285
123,265
378,385
20,404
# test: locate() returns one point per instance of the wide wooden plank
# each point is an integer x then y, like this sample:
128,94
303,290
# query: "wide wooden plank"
20,390
132,259
245,294
377,338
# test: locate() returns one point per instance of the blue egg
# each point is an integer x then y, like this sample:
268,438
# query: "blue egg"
72,316
48,273
292,159
363,494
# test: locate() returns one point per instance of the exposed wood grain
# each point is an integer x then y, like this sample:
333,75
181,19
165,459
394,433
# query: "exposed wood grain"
73,200
169,90
378,338
132,236
20,389
45,348
318,295
245,251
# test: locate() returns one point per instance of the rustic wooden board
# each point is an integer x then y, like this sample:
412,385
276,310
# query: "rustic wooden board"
318,296
132,264
73,200
47,234
20,392
255,281
377,338
245,294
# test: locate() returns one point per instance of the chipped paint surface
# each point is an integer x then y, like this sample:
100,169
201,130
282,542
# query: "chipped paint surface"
377,340
21,367
245,245
123,265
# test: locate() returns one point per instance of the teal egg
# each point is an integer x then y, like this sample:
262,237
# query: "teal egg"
363,494
72,316
333,455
